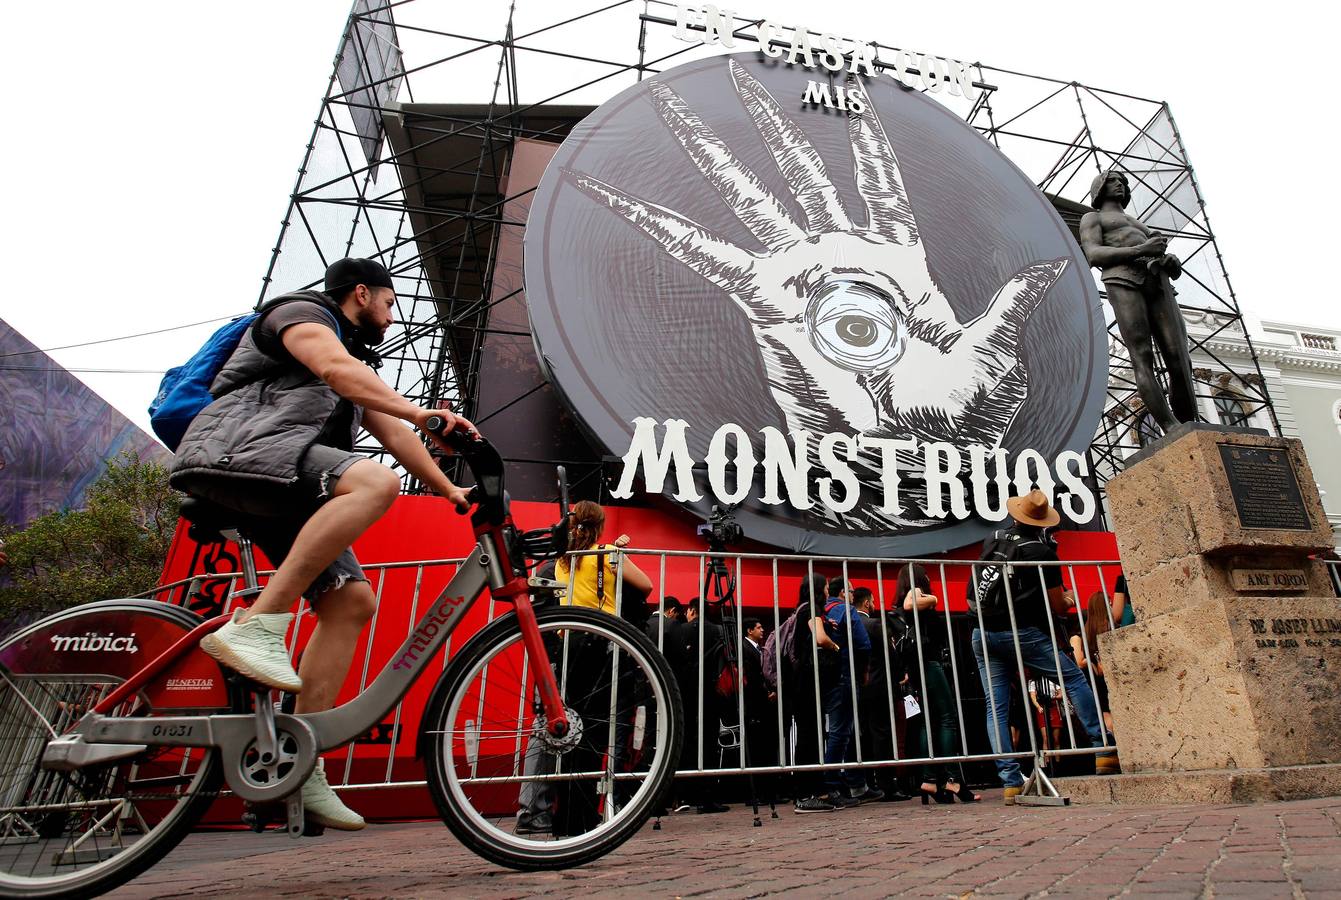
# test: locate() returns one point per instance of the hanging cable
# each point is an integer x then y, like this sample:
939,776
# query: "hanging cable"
4,368
124,337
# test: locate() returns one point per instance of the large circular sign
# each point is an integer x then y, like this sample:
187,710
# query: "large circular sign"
829,296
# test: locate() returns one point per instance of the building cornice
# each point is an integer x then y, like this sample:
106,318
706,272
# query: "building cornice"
1288,355
1292,357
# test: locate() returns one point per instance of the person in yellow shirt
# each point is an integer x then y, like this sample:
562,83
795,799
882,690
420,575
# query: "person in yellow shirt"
593,584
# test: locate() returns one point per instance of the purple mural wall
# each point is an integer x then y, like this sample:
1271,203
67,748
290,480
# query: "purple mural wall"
56,434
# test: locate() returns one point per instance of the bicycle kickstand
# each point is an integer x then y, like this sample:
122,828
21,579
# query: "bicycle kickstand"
293,805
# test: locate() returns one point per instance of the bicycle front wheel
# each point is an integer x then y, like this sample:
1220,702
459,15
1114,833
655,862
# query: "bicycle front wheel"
523,799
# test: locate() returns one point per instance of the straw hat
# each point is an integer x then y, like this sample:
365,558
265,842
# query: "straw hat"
1033,509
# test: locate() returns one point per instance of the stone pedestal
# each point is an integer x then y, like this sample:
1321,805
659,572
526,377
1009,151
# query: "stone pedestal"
1232,676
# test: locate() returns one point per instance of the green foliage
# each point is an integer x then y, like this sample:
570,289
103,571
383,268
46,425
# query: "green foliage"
114,547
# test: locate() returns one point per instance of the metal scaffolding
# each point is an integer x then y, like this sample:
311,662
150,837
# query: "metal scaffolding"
395,172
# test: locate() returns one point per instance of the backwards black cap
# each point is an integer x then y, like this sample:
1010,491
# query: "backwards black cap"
346,273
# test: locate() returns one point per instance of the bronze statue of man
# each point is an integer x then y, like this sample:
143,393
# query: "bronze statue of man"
1136,270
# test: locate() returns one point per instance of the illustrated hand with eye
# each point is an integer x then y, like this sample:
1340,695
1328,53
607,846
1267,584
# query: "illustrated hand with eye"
851,326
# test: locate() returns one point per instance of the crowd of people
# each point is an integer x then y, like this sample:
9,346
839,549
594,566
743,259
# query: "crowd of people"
840,680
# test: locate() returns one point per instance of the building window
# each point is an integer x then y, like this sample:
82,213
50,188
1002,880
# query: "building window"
1318,341
1147,430
1231,410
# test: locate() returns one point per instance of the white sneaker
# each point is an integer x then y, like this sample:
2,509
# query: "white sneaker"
321,805
255,648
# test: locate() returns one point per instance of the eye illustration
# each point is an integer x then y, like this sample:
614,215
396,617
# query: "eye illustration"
854,325
848,367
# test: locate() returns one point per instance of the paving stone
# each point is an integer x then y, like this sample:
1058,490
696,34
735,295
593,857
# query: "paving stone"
891,850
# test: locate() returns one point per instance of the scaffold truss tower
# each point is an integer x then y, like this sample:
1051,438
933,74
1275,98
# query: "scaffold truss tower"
409,163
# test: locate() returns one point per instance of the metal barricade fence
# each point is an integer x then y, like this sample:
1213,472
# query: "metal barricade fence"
1043,655
765,587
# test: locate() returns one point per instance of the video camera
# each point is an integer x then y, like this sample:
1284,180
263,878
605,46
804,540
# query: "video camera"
721,530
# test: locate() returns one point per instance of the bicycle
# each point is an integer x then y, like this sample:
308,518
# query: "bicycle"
117,731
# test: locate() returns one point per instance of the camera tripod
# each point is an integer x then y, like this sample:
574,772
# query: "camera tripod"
719,592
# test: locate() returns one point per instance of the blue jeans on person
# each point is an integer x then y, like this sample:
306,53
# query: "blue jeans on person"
1036,649
839,743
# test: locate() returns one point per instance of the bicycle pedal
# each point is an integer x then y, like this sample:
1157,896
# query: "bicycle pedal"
243,683
260,817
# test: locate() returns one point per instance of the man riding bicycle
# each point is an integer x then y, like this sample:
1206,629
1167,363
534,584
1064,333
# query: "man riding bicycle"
276,446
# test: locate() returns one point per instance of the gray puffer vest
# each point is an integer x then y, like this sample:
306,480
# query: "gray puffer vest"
268,413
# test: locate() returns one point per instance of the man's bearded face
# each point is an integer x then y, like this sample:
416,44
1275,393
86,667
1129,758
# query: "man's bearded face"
376,317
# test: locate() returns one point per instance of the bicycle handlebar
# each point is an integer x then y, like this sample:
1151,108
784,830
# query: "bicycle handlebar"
484,462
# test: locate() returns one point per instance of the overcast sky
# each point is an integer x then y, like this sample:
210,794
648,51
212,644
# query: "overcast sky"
150,148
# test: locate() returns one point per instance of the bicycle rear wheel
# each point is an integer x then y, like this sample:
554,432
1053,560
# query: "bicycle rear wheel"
517,796
84,831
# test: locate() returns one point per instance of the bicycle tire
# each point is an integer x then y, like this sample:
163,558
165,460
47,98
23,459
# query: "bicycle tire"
486,832
42,810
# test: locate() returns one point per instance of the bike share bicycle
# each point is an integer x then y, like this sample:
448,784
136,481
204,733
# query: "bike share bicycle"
117,731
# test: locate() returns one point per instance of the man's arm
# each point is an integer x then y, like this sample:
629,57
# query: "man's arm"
317,348
1101,255
401,443
1119,606
1060,599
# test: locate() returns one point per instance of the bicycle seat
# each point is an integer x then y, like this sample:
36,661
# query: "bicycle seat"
208,519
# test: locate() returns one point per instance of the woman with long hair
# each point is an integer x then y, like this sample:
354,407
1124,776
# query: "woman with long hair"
594,578
1096,623
933,676
590,581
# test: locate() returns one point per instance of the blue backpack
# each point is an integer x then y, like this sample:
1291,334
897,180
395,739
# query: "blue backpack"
185,390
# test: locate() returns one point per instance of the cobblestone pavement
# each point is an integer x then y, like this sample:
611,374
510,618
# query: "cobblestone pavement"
989,850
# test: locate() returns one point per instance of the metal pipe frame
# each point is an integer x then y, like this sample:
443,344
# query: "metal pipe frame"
451,263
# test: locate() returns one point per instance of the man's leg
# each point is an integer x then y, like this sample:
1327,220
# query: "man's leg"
1129,309
360,496
1038,652
253,643
854,778
341,615
996,688
838,734
533,801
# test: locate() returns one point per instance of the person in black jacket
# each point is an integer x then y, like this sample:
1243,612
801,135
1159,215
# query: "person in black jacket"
761,718
936,732
704,646
663,624
878,696
803,684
